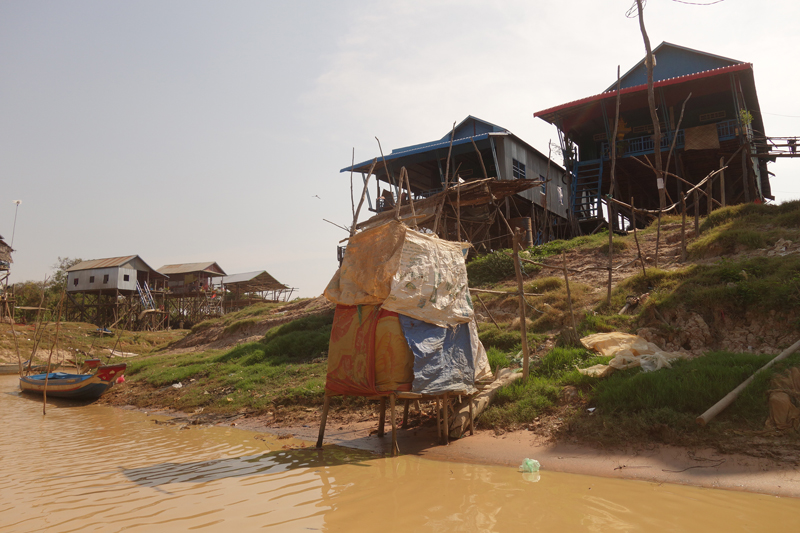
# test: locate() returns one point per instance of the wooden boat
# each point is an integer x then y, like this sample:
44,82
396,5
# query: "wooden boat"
73,386
14,368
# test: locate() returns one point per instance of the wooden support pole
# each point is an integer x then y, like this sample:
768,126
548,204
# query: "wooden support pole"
446,407
683,229
480,158
636,238
522,328
471,417
325,406
696,215
718,407
363,196
382,417
722,182
745,178
406,403
569,296
478,296
392,404
658,237
439,421
709,190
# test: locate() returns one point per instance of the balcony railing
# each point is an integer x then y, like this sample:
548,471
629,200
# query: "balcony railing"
644,145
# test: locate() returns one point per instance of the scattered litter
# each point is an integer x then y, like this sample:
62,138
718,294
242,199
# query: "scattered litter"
529,465
591,409
177,385
230,399
629,351
121,379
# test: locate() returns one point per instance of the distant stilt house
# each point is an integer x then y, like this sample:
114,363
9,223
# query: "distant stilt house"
503,178
190,293
115,291
721,126
252,287
6,299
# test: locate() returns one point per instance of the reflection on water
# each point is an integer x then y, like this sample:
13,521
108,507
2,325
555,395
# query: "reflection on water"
96,468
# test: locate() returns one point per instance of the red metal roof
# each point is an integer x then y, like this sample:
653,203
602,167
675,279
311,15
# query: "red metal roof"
548,114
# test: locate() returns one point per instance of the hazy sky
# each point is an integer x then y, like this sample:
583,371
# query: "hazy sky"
188,131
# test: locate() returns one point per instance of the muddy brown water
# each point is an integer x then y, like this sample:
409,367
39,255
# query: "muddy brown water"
97,468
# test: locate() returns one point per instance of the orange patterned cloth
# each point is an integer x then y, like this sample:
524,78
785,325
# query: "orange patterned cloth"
368,353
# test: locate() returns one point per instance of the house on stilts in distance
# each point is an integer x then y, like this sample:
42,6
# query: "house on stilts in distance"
505,183
115,291
721,125
249,288
6,299
190,295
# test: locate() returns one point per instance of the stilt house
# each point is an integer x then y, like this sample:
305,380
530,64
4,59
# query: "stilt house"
101,291
721,125
480,150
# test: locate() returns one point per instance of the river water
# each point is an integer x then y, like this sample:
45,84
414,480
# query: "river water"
96,468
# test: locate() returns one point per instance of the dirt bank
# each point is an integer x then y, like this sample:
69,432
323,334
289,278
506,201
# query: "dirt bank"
703,467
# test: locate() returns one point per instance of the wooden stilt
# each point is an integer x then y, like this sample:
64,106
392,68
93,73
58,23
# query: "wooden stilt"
406,403
392,402
325,406
439,421
471,417
382,417
446,420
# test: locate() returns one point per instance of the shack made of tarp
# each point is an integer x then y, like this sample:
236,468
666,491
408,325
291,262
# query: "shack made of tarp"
404,318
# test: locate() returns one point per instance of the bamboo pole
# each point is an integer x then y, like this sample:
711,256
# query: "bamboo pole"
480,158
325,406
722,182
609,205
13,334
658,237
54,346
569,296
522,329
445,405
683,229
729,398
478,296
352,200
636,238
392,404
696,215
382,417
363,196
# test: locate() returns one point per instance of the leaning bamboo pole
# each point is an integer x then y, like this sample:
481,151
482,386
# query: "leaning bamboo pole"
720,406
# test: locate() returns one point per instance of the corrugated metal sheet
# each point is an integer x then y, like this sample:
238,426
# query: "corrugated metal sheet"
102,263
549,115
252,281
186,268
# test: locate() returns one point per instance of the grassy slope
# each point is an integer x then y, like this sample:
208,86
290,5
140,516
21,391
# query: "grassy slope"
630,404
288,365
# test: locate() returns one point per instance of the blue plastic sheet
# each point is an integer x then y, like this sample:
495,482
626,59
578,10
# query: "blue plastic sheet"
443,359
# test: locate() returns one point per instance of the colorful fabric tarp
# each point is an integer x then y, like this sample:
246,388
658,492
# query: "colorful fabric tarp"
443,358
368,354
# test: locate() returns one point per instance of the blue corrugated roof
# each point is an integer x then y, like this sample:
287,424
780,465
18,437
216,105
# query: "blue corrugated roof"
419,148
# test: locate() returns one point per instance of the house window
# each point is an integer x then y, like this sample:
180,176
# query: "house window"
75,281
560,196
543,185
105,278
126,277
518,170
91,279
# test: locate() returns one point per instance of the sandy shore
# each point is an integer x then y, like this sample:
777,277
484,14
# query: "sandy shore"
660,464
